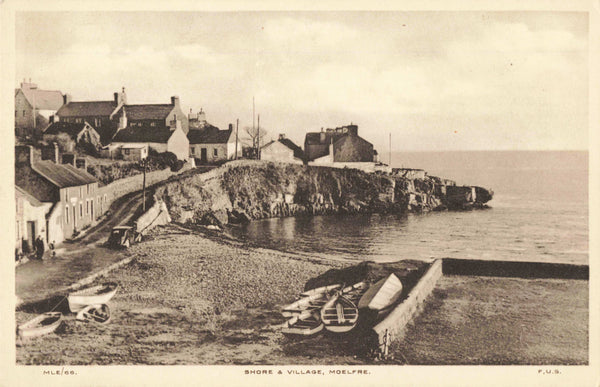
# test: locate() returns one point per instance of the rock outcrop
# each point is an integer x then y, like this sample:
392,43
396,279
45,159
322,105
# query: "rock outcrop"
242,191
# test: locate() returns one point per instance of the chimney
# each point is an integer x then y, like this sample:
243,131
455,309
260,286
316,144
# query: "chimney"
68,158
230,126
175,101
23,155
116,96
331,155
81,163
51,152
123,119
322,136
281,136
123,99
51,119
66,98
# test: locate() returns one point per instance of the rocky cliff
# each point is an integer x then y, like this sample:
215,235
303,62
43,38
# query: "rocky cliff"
241,191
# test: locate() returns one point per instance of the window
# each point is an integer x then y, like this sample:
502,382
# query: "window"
98,121
80,192
23,113
193,150
81,210
88,189
87,207
67,214
126,151
67,195
153,123
215,152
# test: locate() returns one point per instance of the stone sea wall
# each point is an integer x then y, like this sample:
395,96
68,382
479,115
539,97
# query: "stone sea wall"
242,191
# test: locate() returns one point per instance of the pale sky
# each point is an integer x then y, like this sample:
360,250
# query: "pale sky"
434,80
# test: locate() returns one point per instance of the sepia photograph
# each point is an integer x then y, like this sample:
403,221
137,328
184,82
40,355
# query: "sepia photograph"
312,193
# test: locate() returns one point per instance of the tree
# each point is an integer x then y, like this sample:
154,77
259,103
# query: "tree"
251,136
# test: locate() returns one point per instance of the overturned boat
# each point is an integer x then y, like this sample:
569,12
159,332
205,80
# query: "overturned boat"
95,313
313,302
381,296
93,295
321,290
41,325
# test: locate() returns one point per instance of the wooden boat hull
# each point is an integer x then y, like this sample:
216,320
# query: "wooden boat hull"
313,302
40,325
382,295
306,324
95,313
339,314
99,294
321,290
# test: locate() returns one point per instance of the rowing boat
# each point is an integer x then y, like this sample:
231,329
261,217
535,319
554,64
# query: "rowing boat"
305,324
94,313
355,292
315,301
94,295
339,314
43,324
382,295
321,290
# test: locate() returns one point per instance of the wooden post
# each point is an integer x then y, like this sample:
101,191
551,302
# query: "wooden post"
144,161
237,124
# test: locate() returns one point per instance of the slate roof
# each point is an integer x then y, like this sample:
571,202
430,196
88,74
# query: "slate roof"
87,108
43,99
33,201
72,129
63,175
290,144
210,135
144,133
147,112
314,138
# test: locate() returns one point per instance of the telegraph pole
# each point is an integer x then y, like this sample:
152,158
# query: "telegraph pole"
258,139
237,124
144,163
390,162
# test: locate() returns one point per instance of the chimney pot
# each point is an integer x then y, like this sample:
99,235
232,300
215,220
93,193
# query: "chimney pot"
175,100
66,98
281,136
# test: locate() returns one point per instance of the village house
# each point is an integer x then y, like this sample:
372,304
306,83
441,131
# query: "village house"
70,197
209,144
30,220
340,147
68,135
282,150
34,107
134,140
98,114
154,115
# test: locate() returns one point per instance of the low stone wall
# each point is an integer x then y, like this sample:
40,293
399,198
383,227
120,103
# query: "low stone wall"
394,325
121,187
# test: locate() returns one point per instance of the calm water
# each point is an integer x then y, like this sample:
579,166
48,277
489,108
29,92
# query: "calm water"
539,213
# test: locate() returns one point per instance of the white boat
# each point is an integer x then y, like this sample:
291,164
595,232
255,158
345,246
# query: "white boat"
93,295
95,313
316,301
339,314
321,290
304,324
43,324
382,295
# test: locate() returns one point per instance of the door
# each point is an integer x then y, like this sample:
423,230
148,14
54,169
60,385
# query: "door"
31,233
203,157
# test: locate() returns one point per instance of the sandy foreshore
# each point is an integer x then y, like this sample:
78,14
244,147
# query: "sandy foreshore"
187,299
191,298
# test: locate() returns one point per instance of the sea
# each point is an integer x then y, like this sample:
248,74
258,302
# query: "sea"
539,213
